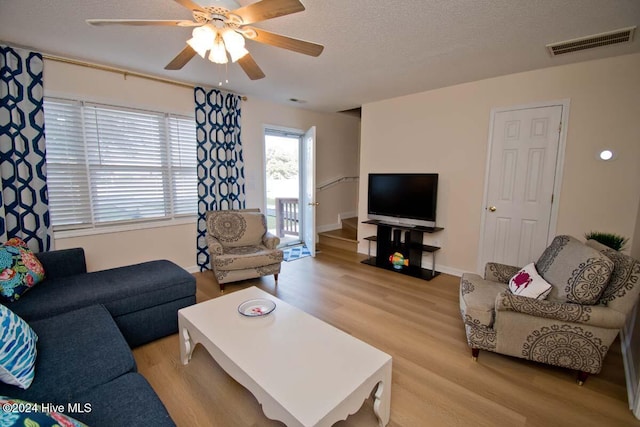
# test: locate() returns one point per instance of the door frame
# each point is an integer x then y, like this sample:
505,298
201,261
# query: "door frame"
292,132
308,230
559,169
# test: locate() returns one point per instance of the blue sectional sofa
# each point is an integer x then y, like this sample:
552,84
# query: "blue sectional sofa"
86,325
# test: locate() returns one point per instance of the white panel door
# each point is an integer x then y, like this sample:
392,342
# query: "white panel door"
522,165
309,189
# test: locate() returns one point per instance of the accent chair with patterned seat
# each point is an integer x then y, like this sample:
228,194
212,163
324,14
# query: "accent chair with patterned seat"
240,246
594,289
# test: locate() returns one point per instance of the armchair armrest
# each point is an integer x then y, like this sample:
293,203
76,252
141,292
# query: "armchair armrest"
214,245
594,315
270,241
63,262
497,272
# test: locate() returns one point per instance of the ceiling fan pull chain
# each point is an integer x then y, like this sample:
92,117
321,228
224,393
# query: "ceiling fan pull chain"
226,75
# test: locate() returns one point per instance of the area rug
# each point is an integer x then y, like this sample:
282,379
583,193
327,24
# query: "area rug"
296,252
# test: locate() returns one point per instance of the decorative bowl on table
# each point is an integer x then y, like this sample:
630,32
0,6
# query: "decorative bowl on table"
256,307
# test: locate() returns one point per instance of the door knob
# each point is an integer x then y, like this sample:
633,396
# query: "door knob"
492,208
313,204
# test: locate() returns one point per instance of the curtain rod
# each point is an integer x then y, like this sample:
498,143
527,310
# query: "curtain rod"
113,70
122,71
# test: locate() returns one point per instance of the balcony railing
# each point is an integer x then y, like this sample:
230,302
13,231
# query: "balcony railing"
287,217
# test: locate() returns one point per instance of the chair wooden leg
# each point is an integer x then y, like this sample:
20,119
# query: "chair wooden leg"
221,288
474,353
276,277
582,377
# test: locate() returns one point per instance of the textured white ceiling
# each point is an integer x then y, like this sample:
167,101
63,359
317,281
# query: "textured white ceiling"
374,49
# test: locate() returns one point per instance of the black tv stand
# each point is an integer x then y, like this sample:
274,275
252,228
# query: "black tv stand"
388,241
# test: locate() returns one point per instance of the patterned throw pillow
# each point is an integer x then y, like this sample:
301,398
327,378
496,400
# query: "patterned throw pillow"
16,412
577,273
20,270
528,283
624,279
17,350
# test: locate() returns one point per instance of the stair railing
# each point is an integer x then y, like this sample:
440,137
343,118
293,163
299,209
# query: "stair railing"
335,181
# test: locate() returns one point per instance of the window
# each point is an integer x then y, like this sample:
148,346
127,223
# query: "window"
108,164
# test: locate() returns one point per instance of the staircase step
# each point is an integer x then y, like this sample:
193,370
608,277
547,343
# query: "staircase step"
341,234
350,223
337,239
345,238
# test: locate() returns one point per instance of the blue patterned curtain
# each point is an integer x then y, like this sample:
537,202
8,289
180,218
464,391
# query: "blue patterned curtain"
220,163
24,210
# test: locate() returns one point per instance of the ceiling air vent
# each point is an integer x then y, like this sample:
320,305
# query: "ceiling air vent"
623,35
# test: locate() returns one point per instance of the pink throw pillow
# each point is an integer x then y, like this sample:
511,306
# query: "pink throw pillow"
528,283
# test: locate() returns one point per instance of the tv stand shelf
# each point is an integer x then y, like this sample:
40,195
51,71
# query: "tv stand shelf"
388,241
404,226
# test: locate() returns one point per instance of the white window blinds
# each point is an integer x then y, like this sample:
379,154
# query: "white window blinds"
182,134
110,164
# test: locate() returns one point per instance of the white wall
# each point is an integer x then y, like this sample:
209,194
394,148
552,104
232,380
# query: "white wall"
337,155
446,131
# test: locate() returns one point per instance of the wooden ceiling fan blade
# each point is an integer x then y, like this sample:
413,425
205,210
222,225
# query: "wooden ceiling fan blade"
142,22
250,67
284,42
267,9
181,59
191,5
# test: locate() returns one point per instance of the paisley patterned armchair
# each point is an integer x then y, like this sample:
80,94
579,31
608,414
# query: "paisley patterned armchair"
594,289
240,246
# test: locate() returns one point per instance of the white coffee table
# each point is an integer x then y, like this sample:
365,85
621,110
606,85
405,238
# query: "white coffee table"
303,371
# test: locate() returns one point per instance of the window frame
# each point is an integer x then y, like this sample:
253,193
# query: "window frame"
169,189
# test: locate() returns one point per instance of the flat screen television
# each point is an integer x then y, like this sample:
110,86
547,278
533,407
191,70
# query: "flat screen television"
403,198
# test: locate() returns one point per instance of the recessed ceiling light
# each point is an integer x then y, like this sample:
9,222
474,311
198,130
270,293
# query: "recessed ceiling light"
606,155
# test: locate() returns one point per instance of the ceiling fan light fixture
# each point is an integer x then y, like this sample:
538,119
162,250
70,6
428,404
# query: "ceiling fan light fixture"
197,46
234,43
218,53
202,40
238,53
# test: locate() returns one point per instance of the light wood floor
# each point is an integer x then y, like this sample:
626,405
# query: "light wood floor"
435,381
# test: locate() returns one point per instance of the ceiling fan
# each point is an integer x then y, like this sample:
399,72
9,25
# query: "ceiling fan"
222,26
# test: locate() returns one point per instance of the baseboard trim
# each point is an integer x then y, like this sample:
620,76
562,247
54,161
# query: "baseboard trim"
193,269
450,270
345,215
336,225
328,227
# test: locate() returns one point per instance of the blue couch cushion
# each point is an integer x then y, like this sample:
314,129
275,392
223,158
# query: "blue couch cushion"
141,327
121,290
63,262
76,351
128,400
